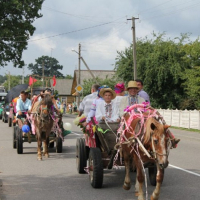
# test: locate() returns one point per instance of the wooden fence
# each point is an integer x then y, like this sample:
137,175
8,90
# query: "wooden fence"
181,118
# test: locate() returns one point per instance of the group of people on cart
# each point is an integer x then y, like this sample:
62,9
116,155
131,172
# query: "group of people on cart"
105,104
24,105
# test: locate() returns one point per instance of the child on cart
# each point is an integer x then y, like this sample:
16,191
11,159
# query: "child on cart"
107,110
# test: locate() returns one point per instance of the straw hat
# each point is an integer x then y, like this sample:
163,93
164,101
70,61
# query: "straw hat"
132,84
103,90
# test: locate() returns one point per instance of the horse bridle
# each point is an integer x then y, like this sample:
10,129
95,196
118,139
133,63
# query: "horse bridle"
155,153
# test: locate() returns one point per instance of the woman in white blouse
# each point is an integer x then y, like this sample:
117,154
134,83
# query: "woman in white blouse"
107,109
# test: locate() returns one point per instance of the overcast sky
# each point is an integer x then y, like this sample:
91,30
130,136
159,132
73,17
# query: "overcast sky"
111,31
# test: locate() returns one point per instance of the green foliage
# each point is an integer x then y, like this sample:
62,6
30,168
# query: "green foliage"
2,79
16,27
87,84
161,64
14,80
51,67
68,76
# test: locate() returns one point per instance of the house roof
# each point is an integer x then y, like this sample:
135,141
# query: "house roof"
63,86
85,75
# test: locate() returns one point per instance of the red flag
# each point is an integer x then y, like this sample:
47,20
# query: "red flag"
32,80
54,80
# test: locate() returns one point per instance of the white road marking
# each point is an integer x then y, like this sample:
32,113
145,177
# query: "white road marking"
77,133
190,172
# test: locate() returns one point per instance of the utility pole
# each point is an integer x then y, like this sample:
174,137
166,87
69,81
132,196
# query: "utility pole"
8,80
134,47
89,70
79,70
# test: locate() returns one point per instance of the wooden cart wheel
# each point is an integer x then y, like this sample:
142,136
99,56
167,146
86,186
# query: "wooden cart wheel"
95,168
152,174
9,122
14,137
51,145
59,145
19,141
81,156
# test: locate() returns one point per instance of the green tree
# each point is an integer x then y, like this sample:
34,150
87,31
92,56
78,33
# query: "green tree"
191,76
14,80
16,27
68,76
51,67
160,63
2,79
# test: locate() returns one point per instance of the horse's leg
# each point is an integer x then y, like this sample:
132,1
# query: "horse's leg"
159,179
136,187
46,147
39,149
140,179
127,181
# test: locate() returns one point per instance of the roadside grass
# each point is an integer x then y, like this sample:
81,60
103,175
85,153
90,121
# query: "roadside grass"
186,129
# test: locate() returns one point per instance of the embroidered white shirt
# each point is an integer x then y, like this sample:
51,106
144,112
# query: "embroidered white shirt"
112,116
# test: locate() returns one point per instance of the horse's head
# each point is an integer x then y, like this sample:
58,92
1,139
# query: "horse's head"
45,106
156,139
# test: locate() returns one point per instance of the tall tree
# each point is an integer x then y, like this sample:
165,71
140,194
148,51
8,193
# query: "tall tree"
160,63
191,76
16,17
51,67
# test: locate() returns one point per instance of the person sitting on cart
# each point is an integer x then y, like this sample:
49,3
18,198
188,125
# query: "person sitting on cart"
23,105
131,99
85,105
107,110
95,103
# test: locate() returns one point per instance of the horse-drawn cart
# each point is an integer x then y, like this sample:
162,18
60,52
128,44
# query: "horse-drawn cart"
104,155
55,137
19,138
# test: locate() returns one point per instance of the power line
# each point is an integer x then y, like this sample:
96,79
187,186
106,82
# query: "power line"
73,15
69,32
120,27
154,7
173,12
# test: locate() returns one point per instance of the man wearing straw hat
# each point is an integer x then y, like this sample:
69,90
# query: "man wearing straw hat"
132,98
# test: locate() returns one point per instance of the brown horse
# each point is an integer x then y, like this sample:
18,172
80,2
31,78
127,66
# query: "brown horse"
144,141
43,124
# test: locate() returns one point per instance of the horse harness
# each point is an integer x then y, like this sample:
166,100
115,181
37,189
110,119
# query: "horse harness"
131,142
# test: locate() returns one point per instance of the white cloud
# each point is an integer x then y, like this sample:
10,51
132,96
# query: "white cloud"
100,44
43,44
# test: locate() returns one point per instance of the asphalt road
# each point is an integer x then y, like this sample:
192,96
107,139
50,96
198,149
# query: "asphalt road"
22,177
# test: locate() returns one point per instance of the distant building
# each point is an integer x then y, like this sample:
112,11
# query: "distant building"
85,75
63,86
